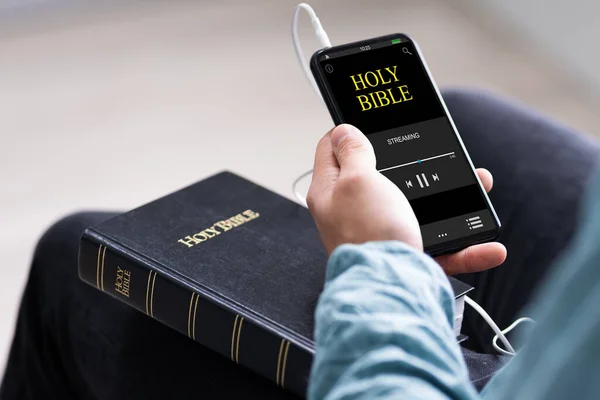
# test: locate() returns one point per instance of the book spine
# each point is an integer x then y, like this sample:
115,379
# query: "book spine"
193,314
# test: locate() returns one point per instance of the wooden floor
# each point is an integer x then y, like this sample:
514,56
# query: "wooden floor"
110,108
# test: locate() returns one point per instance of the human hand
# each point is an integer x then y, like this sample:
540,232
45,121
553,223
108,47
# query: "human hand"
352,202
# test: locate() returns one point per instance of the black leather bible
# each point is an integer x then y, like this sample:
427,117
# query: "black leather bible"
226,262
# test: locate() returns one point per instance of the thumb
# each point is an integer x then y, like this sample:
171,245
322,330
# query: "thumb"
352,149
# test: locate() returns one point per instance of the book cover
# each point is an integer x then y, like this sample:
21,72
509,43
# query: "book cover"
226,262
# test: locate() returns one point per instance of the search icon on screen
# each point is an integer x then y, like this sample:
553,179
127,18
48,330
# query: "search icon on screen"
406,51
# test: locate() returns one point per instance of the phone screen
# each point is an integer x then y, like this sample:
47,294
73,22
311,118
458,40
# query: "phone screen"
384,89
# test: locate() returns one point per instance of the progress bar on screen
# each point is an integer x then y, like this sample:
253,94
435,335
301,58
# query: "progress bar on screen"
416,162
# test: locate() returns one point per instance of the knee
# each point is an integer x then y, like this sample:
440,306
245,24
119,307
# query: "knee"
458,95
61,239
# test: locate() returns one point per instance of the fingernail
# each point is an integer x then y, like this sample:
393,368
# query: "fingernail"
339,133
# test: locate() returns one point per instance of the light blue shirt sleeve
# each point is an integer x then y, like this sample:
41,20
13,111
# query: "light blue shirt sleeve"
384,328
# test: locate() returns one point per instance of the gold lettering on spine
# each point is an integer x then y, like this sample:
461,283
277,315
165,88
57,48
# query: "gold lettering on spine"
233,337
287,347
190,315
102,272
279,361
122,281
148,292
194,321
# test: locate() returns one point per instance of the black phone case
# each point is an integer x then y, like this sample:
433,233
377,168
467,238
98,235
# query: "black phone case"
442,248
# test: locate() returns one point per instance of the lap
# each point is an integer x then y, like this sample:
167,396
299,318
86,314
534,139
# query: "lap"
102,348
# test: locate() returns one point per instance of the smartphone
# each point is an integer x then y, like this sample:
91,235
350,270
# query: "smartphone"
383,87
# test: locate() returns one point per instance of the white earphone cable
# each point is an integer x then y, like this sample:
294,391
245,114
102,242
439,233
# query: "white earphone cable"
301,198
324,42
505,331
490,322
321,37
499,334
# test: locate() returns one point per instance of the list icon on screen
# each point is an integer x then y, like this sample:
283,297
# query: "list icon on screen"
474,223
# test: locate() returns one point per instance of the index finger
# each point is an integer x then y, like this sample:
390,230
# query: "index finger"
486,178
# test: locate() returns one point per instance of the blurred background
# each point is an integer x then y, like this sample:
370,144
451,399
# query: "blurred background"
109,104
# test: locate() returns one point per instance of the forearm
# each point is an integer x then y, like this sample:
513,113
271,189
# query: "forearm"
383,328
